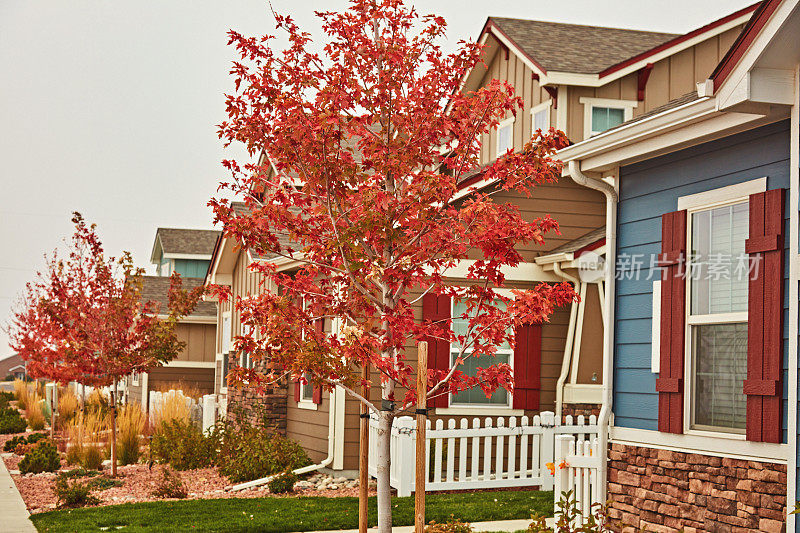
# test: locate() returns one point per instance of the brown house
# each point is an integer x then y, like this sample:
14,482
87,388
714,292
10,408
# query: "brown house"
187,252
12,366
582,80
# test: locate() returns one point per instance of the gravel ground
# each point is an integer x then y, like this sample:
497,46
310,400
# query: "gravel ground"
139,482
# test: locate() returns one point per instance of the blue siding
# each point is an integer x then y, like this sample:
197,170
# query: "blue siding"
191,268
648,190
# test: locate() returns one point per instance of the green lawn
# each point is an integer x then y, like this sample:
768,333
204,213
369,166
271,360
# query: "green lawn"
280,515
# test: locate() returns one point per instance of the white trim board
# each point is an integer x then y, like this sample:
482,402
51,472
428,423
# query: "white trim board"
478,411
202,257
191,364
655,332
708,199
717,446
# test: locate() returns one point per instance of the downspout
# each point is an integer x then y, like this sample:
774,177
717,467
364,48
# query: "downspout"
608,313
565,362
306,469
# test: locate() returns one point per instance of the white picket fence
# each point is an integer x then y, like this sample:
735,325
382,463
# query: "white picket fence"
577,466
493,453
207,405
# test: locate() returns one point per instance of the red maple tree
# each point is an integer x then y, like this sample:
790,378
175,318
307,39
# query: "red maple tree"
366,148
83,319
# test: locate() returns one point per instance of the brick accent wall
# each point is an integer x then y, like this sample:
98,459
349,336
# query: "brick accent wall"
576,409
265,408
662,490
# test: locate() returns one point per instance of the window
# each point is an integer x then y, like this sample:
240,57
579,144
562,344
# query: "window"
505,136
540,117
602,114
306,389
717,321
225,348
135,379
504,354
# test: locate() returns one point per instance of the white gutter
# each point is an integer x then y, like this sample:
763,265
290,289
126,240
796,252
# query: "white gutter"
608,313
306,469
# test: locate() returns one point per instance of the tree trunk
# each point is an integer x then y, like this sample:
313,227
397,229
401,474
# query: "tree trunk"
383,468
114,431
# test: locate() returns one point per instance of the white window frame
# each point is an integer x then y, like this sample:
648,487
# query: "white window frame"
135,379
704,201
507,123
482,409
545,106
303,402
590,103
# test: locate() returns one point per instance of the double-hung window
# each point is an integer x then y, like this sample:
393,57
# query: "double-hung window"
540,117
306,387
601,114
504,354
505,136
225,348
717,286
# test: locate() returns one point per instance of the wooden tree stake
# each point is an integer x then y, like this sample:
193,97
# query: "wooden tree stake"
363,456
422,391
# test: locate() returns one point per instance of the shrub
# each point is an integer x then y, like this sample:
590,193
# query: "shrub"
92,458
170,485
183,446
248,453
34,413
12,443
282,483
73,493
131,422
103,483
569,518
79,472
84,431
36,437
11,421
68,405
5,397
22,393
173,409
42,458
451,526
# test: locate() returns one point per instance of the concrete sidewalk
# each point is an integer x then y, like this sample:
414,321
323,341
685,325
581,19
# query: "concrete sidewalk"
13,513
498,525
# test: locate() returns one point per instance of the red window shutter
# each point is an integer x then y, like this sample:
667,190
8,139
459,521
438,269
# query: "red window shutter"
763,385
437,308
673,322
316,394
297,390
527,367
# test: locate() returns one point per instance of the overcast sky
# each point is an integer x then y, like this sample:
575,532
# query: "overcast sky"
110,107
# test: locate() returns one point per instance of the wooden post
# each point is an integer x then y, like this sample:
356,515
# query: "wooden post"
422,419
363,456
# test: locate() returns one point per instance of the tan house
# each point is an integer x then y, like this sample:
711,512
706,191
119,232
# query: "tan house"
187,252
582,80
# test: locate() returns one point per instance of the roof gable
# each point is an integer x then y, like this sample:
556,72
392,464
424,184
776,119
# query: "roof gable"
180,241
577,48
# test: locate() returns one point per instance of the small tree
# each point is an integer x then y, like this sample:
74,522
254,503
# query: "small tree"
83,320
366,148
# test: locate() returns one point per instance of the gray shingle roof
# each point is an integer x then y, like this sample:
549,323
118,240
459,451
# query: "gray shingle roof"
156,289
187,241
581,242
576,48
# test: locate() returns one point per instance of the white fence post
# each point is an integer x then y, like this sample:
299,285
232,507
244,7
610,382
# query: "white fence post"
209,412
548,421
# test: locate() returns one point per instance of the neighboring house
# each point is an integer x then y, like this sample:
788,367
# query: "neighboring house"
582,80
704,353
187,252
12,366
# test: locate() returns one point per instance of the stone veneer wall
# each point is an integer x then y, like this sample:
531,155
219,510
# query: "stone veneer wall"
662,490
576,409
268,408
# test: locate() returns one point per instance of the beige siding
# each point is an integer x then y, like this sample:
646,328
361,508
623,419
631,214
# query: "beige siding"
670,78
199,339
